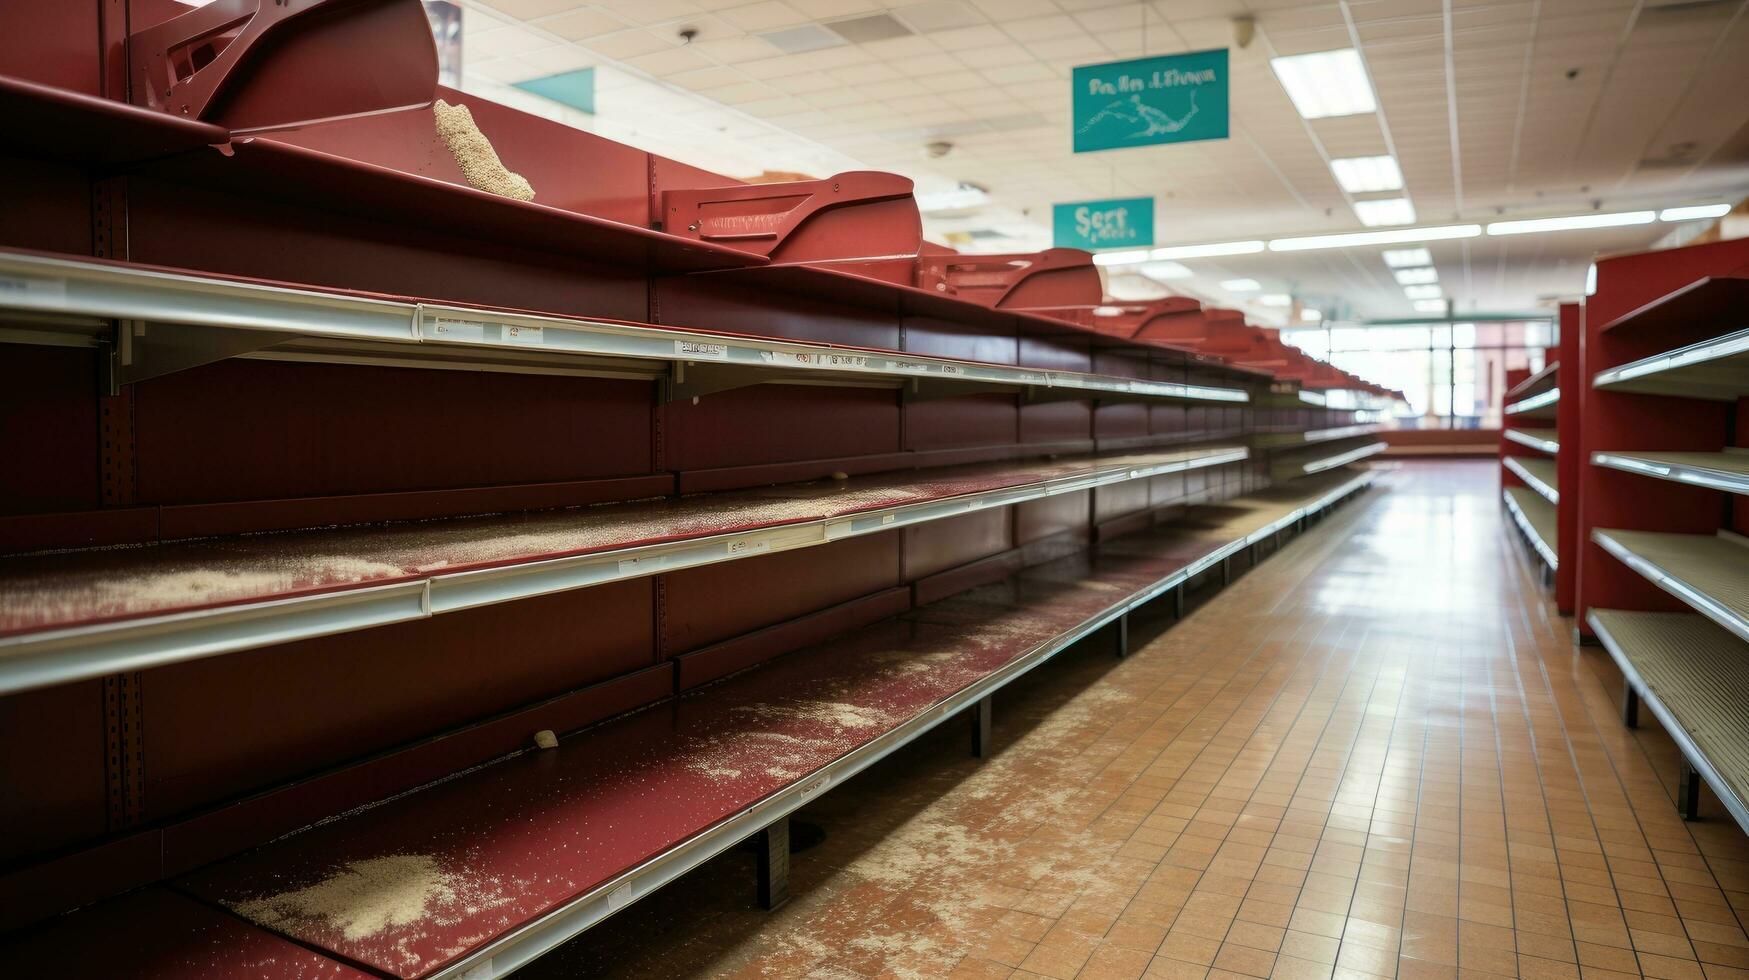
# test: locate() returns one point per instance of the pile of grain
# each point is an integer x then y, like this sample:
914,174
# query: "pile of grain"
474,154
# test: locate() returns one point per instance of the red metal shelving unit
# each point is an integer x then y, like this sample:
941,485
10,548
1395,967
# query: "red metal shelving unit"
346,478
1662,509
1538,431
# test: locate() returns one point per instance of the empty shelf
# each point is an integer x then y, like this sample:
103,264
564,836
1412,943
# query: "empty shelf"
1536,518
1727,471
1543,440
81,614
197,318
1716,369
1315,435
523,854
1536,383
158,934
1538,473
1692,675
1289,466
1707,298
1709,572
1538,406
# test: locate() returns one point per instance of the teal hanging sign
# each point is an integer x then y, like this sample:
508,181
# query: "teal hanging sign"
1175,98
1126,222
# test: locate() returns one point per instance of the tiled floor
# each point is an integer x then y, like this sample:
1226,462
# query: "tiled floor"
1378,754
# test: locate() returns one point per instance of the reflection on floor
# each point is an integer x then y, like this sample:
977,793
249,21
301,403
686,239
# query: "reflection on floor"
1377,754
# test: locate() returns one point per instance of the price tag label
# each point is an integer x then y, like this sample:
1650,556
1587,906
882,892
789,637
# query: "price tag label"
622,896
694,351
31,291
640,566
521,336
457,330
821,359
744,547
952,369
819,783
908,367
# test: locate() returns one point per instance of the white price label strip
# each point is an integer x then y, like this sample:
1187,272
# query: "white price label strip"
31,291
694,351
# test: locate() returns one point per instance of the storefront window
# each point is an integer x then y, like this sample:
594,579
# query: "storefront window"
1453,375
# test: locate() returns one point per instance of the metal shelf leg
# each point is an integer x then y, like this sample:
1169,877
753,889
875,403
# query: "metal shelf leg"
981,713
773,869
1121,635
1688,791
1630,706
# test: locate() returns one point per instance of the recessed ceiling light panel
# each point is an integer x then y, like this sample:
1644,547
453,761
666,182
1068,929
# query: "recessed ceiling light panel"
1241,285
1389,211
1423,292
1326,83
1397,258
1416,277
1361,175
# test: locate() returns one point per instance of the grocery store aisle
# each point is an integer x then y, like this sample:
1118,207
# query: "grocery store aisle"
1378,753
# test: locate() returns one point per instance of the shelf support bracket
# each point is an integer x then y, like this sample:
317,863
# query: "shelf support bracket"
1630,705
142,350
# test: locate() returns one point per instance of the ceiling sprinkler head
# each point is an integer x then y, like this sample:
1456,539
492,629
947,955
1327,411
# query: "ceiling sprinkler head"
937,149
688,34
1244,29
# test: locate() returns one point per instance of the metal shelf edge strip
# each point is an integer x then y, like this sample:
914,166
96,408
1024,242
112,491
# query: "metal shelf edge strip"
1699,601
81,652
1728,345
1674,472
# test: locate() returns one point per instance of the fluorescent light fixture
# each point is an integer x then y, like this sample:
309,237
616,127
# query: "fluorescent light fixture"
1361,175
1311,314
1133,256
1201,251
1398,258
1326,83
1276,299
1358,238
1390,211
1241,285
1423,292
1162,271
1108,311
1591,279
1697,211
1430,306
1416,277
1572,222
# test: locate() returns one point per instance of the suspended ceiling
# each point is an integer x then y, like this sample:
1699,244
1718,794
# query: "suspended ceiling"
1497,108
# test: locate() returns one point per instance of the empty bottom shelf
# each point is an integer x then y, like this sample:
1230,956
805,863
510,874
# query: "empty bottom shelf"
1692,674
1534,516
